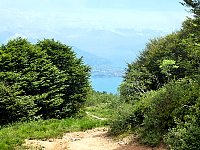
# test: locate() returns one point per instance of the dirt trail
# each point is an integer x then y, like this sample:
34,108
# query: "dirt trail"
95,139
95,117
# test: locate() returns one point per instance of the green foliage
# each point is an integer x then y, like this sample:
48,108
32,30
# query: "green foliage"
194,5
167,66
158,111
44,80
136,82
102,104
169,103
121,122
186,132
184,136
76,81
163,87
96,98
149,73
13,107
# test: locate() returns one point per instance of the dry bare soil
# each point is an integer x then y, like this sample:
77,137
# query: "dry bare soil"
95,139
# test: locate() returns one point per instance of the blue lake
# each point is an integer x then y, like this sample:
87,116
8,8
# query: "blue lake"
107,84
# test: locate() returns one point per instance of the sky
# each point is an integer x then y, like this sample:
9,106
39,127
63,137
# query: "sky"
113,29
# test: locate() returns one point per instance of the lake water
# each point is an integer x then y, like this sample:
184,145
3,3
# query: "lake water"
107,84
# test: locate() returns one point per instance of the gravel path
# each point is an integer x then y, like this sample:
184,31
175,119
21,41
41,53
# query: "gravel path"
95,139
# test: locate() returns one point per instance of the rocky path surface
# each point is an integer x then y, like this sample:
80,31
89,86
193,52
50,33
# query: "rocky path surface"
95,139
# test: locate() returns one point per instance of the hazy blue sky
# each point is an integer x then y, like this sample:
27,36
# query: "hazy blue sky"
108,14
80,22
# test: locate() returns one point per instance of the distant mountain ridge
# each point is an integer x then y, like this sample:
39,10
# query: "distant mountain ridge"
106,51
101,67
90,58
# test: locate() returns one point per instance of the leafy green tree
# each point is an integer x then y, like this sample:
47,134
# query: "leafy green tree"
194,5
55,84
182,47
167,66
76,74
145,73
137,82
14,107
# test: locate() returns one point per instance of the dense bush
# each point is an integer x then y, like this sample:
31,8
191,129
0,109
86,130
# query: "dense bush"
150,71
14,107
170,103
185,136
163,87
96,97
121,123
159,111
43,80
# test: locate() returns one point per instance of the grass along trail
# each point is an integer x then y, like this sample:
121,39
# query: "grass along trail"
93,139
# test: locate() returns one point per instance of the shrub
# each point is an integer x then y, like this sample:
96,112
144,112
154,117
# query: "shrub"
184,136
163,86
121,123
13,107
95,98
168,104
157,111
186,133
